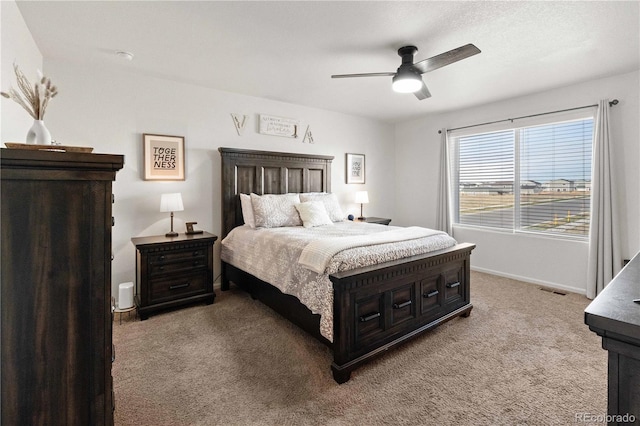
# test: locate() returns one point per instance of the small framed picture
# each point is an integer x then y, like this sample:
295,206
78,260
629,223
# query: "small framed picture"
163,157
355,168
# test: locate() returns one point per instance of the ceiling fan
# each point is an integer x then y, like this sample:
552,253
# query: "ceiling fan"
408,77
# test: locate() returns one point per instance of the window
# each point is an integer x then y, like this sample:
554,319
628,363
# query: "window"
525,179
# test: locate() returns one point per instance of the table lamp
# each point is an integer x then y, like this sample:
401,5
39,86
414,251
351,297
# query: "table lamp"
171,203
362,197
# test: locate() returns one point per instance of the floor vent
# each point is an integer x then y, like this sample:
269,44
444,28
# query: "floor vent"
550,290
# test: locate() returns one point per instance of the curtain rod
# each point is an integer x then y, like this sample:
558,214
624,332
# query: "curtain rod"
612,103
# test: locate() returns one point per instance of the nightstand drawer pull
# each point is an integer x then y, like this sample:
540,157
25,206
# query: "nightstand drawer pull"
196,253
161,258
430,294
177,286
453,285
369,317
196,263
401,305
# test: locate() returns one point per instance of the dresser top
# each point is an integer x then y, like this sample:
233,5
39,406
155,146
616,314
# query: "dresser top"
613,311
28,159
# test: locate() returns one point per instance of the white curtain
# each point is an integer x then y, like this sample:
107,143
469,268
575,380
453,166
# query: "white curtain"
443,217
604,240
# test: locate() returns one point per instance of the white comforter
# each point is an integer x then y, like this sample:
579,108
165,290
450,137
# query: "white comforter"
273,255
317,254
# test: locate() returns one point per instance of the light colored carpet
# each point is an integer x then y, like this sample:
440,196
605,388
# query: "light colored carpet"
524,356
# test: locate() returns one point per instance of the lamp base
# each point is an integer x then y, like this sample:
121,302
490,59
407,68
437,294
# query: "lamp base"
362,218
171,234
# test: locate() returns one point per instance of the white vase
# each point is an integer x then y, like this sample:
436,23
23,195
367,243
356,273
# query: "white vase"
38,134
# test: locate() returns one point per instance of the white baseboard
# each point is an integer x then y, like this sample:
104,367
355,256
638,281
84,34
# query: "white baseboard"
552,285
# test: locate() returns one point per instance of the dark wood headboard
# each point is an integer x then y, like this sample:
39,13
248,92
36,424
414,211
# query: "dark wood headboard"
263,172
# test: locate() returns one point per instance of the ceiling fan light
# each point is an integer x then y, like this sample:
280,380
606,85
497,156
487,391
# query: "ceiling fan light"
406,83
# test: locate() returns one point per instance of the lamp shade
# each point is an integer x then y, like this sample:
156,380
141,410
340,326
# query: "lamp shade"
362,197
171,202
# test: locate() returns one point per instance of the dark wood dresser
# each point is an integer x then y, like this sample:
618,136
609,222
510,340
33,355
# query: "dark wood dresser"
173,271
614,316
56,287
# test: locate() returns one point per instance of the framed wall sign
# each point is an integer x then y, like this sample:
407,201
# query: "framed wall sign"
163,157
278,126
355,168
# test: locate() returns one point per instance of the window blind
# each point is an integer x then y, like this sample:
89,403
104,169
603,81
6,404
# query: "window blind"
533,179
486,170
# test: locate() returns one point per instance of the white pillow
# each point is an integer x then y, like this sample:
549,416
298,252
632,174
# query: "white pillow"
313,213
330,201
247,210
275,210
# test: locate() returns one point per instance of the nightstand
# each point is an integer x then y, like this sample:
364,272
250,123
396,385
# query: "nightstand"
380,220
173,271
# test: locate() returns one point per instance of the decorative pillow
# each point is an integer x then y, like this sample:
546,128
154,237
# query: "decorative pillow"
247,210
330,201
313,213
275,210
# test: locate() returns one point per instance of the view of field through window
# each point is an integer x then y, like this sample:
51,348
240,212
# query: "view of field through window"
528,179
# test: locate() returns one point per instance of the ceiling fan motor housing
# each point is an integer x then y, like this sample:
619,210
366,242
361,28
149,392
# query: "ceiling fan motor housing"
407,78
407,53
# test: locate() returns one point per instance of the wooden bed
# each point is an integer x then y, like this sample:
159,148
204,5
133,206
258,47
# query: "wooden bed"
375,308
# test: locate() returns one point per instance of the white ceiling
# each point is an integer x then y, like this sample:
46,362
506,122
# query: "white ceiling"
287,51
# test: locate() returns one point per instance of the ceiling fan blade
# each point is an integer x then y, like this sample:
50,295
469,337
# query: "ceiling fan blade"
371,74
446,58
423,93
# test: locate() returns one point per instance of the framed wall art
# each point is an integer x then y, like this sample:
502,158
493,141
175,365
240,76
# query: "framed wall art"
278,126
163,157
355,168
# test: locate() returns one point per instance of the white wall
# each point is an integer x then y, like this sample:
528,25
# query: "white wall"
110,110
550,261
17,46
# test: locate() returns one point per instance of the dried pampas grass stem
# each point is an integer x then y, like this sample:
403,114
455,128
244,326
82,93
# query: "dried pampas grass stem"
34,98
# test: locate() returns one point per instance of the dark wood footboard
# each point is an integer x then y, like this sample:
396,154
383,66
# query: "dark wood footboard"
379,307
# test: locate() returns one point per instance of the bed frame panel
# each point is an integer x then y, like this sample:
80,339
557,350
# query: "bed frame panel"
375,307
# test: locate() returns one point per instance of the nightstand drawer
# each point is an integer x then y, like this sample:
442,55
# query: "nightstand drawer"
185,265
169,288
177,255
